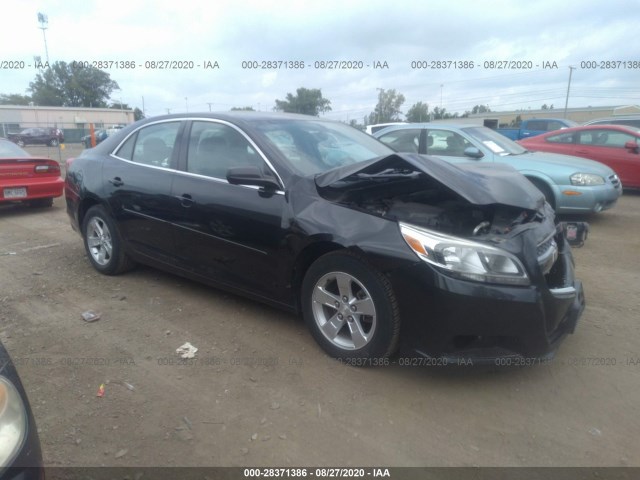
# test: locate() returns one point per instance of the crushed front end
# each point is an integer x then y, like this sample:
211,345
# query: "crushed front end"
494,275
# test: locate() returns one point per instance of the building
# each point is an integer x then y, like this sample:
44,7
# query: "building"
73,121
579,114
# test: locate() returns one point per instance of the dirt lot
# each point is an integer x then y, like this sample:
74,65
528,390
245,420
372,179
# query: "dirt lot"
260,392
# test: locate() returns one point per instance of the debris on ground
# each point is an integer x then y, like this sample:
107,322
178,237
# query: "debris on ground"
100,391
90,316
187,350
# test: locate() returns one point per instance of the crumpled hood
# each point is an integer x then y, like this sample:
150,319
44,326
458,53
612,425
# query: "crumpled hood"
480,184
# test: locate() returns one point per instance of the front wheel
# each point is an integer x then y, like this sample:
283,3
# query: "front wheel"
546,191
20,143
350,308
103,244
53,142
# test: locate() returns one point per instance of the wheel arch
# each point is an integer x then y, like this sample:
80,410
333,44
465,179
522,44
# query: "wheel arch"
304,260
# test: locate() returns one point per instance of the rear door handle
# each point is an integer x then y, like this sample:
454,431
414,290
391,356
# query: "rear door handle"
116,182
186,200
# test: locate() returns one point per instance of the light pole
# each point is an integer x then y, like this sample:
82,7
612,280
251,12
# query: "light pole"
566,102
44,24
441,87
186,104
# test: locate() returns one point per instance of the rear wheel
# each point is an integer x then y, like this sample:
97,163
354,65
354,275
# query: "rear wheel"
53,142
103,244
20,143
350,308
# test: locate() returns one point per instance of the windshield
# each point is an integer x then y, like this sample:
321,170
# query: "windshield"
494,141
11,150
315,146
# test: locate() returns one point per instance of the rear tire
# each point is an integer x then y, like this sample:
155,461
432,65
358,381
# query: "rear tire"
350,309
53,142
20,143
103,243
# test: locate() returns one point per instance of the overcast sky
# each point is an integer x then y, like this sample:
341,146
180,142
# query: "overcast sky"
396,32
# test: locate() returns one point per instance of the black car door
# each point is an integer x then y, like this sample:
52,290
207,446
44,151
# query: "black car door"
228,233
137,179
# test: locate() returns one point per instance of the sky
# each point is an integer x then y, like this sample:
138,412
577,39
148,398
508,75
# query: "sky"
399,37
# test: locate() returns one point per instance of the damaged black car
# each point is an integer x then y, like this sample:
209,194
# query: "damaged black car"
380,252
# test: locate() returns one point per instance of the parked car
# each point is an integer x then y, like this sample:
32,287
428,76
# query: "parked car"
377,250
37,136
24,178
100,135
628,120
535,126
371,129
20,452
614,145
570,184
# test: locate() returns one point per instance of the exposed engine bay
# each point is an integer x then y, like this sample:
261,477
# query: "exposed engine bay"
415,198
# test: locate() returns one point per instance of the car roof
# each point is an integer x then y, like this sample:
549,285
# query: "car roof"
432,125
620,128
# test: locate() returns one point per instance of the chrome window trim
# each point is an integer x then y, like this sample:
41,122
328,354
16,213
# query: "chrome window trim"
181,172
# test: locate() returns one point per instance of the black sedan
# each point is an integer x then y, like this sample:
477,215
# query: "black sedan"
20,454
37,136
377,250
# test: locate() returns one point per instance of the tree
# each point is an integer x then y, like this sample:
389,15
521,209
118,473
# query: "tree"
306,101
242,109
547,107
441,114
515,123
119,106
354,123
388,107
138,114
72,85
480,109
14,99
419,112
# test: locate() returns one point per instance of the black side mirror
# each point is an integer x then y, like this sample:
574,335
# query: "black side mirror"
473,152
251,176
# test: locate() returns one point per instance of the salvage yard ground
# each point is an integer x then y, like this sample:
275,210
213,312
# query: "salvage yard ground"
260,392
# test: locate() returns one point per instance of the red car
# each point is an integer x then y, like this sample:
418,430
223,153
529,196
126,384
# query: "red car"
614,145
26,178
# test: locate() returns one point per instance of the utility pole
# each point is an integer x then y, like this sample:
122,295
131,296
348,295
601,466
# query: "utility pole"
566,102
44,24
168,111
186,104
209,103
143,114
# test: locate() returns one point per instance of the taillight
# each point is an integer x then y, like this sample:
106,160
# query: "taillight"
52,167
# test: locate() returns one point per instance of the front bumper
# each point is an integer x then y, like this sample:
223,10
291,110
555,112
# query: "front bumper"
591,199
457,319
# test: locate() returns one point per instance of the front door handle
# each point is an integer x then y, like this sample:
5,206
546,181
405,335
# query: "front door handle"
186,200
116,182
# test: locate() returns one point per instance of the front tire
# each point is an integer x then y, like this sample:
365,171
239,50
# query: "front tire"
54,142
20,143
546,191
350,308
103,243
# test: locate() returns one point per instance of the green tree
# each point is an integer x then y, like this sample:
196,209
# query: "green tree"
70,85
515,123
481,109
119,106
388,107
243,109
14,99
306,101
354,123
419,112
138,114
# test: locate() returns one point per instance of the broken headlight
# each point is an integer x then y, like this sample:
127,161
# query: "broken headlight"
586,179
463,258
